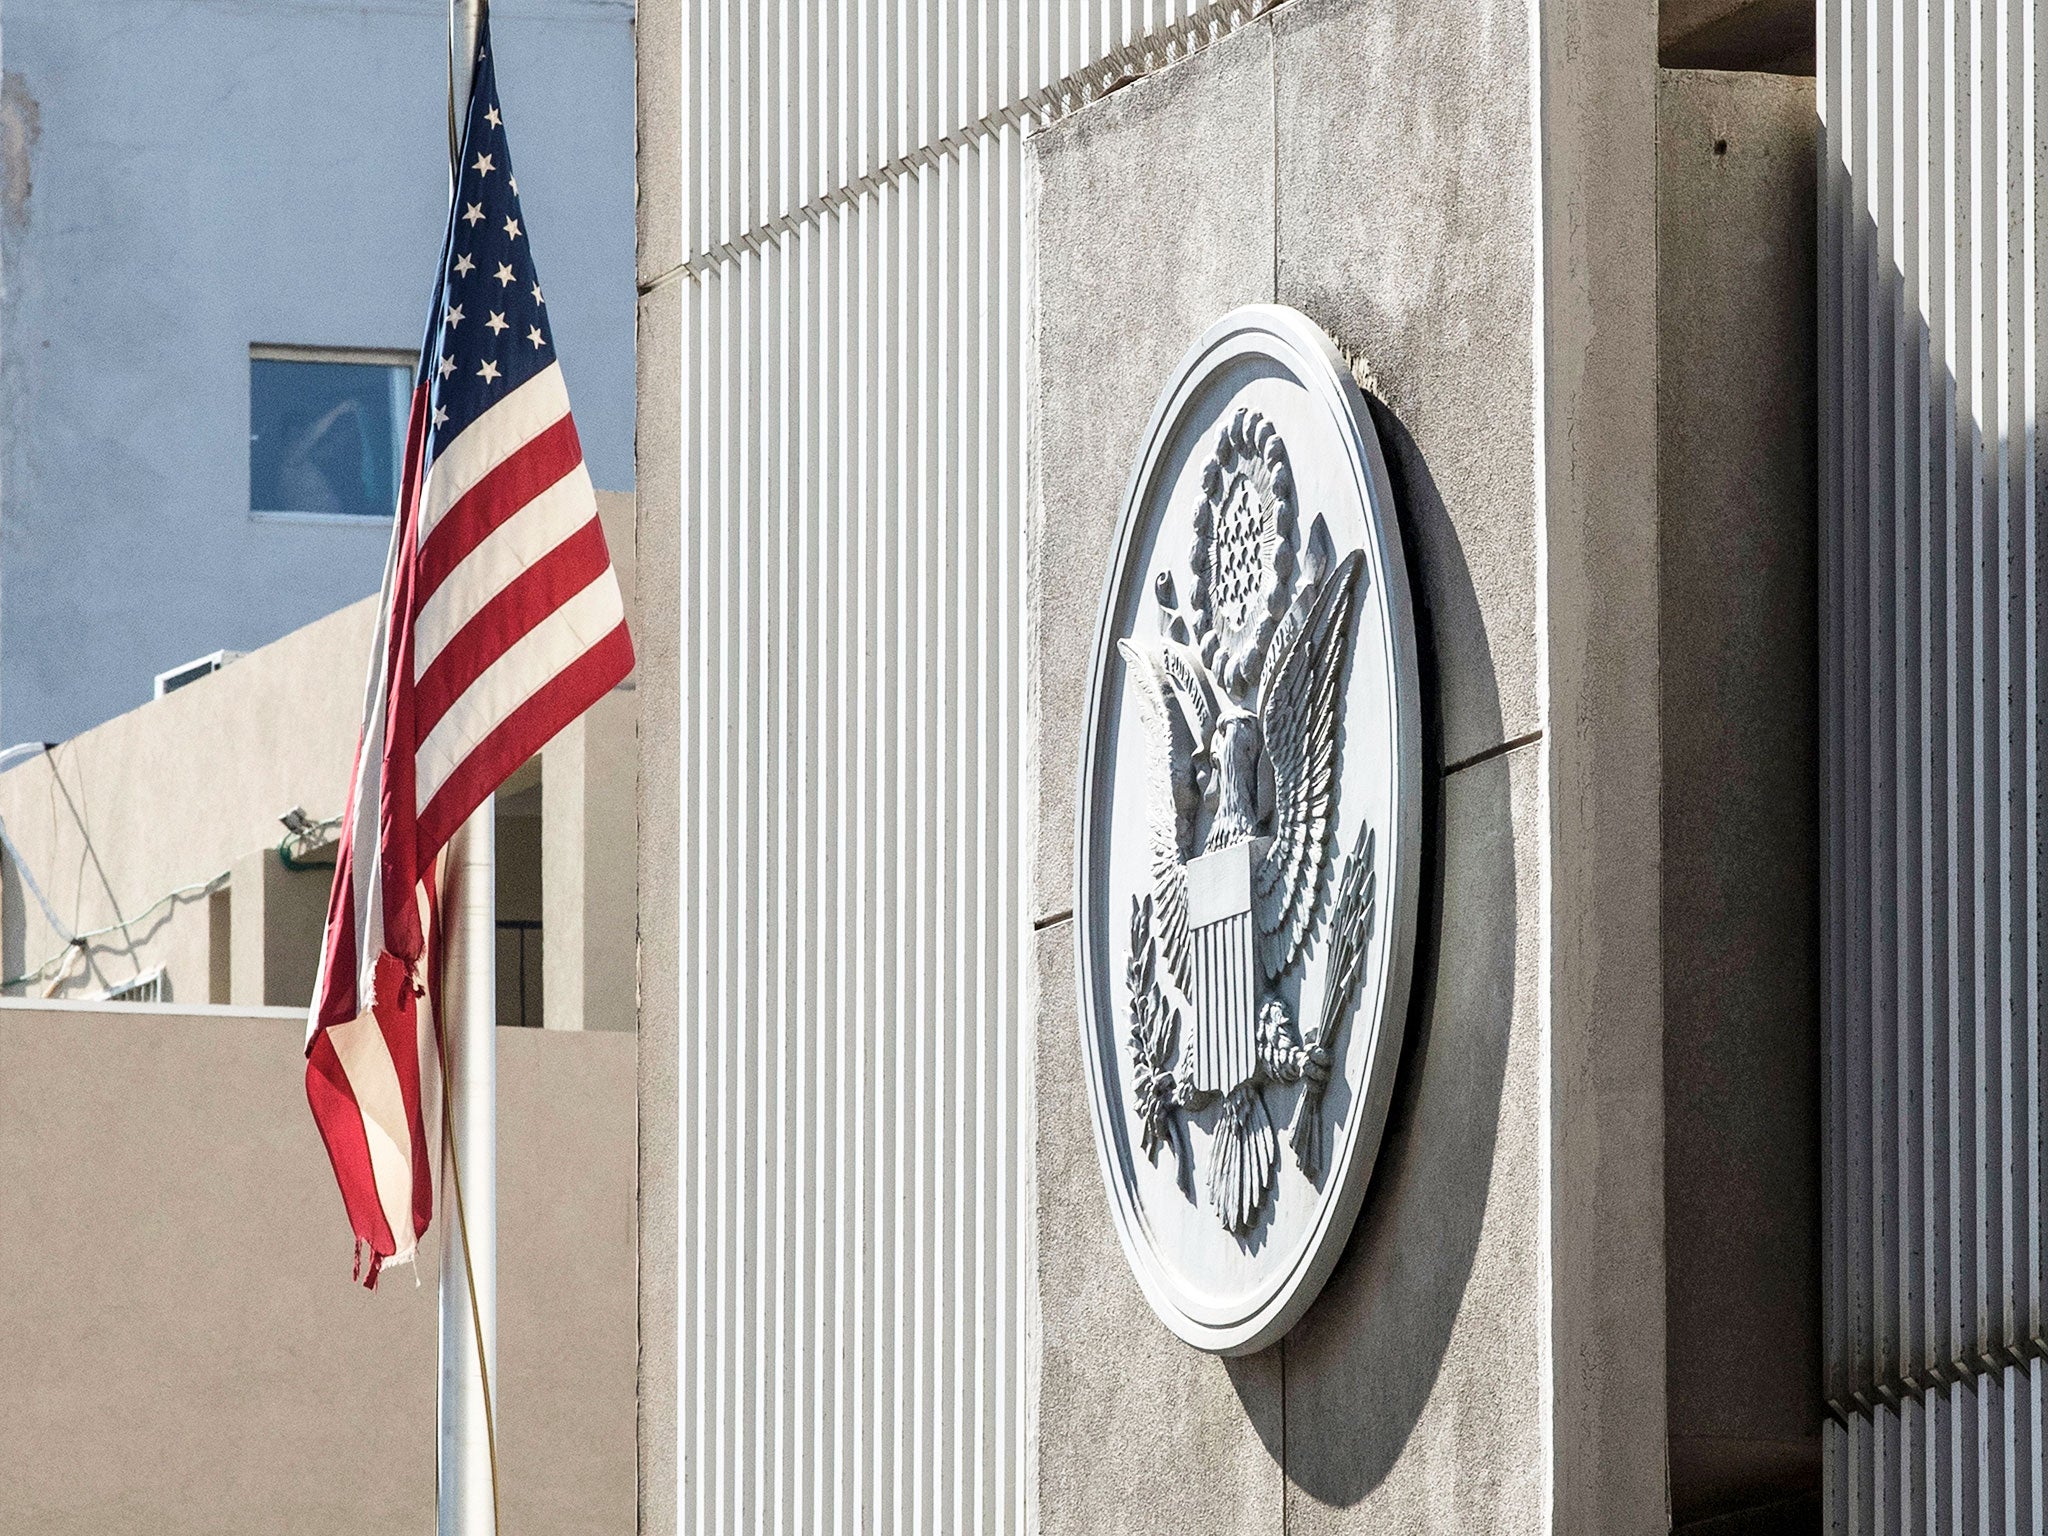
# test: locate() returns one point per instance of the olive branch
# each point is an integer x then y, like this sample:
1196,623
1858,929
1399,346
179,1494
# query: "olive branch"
1155,1038
1351,926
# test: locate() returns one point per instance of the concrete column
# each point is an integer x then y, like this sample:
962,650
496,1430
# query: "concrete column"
275,918
1594,92
587,869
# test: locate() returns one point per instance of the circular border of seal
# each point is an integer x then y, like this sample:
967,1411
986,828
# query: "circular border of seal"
1289,339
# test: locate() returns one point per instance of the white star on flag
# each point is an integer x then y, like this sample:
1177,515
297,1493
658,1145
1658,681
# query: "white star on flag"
464,266
496,323
533,335
504,275
488,372
473,213
455,317
483,166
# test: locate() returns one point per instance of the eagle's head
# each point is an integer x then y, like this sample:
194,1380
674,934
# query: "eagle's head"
1231,770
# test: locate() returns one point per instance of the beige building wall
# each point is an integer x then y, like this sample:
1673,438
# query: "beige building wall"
181,1348
158,835
170,798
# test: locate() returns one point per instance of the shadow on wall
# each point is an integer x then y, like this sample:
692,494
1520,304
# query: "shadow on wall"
1379,1333
1775,37
1739,723
13,920
1928,574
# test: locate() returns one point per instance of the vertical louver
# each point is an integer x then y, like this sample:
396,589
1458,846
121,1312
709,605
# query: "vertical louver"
788,104
853,1024
1931,572
855,1273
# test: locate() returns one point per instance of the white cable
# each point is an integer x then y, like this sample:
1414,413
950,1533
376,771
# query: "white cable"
21,748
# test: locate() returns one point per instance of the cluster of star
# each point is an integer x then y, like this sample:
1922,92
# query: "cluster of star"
494,326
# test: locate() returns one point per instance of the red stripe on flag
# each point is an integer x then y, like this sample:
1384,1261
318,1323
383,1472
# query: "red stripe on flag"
338,991
340,988
398,1020
348,1147
399,857
422,1168
524,732
525,601
532,469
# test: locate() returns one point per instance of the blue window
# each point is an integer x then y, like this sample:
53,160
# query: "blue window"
326,431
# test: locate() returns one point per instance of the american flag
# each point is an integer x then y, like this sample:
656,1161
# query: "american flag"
501,622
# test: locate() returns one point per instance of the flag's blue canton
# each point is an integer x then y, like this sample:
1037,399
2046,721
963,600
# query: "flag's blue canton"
493,333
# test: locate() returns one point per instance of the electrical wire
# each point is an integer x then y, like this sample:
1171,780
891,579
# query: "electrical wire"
78,941
75,942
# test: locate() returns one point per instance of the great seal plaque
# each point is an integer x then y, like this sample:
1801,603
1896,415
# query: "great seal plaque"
1249,832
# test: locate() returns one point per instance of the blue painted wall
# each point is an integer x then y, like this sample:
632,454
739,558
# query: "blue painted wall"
180,178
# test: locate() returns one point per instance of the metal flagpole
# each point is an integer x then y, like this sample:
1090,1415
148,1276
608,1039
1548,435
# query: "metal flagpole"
468,1203
465,19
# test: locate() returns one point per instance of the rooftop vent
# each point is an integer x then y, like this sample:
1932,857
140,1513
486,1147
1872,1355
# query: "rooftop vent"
192,671
146,988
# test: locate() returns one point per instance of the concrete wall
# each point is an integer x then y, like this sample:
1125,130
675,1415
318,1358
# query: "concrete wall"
1489,1354
181,1345
1736,450
185,177
658,883
1370,165
185,790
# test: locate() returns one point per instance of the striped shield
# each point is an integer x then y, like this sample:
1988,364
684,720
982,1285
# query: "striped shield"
1224,969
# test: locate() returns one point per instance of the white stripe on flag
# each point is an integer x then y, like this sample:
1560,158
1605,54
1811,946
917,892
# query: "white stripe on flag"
529,664
360,831
373,1079
519,542
490,440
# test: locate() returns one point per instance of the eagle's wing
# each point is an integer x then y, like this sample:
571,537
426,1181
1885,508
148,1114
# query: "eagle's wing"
1298,717
1168,753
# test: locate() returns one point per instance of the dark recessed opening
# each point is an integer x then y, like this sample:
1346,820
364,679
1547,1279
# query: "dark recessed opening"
1774,37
